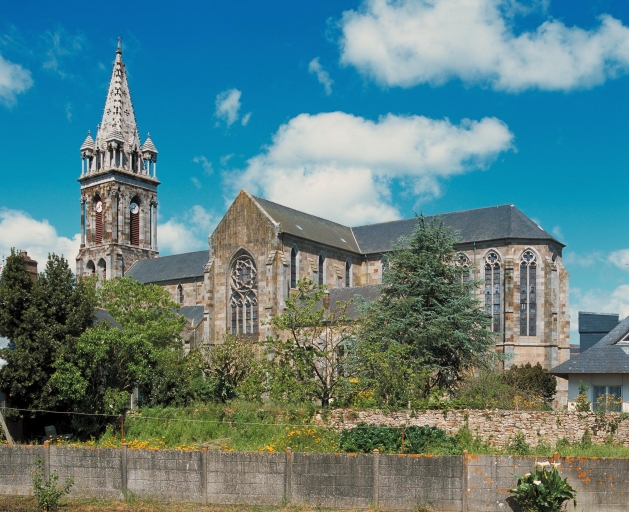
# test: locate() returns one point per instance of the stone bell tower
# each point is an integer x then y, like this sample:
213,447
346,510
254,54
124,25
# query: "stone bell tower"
118,188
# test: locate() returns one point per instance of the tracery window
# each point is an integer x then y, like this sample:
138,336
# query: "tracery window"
293,268
528,294
493,293
348,273
244,296
464,262
321,269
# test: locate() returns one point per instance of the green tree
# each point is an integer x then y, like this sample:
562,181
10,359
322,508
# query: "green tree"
311,357
427,315
99,371
531,381
40,318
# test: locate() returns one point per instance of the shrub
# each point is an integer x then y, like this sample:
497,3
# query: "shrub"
47,493
518,445
532,381
543,490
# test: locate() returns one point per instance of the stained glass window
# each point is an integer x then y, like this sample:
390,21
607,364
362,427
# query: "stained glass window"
244,297
464,262
493,293
528,294
293,268
321,269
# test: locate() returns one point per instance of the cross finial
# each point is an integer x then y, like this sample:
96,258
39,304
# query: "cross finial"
119,50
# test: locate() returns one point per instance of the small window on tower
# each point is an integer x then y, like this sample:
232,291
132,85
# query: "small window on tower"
98,220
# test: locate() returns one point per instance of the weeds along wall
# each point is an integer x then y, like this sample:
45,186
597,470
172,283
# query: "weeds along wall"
402,482
498,427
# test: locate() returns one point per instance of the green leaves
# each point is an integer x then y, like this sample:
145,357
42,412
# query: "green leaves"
427,313
543,490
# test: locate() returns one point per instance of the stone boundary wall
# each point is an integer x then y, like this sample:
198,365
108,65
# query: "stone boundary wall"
394,482
494,426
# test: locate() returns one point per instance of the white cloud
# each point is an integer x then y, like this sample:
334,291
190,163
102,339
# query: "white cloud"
205,163
188,233
228,106
20,231
557,233
340,166
14,80
245,119
409,42
60,45
620,259
225,159
195,181
572,259
322,75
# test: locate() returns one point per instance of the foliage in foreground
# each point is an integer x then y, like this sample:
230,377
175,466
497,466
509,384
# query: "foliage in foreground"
48,493
543,490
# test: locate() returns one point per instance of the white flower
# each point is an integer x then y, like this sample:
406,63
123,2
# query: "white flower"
537,482
542,464
528,474
555,464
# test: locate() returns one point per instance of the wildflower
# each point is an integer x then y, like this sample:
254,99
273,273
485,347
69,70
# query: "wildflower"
537,482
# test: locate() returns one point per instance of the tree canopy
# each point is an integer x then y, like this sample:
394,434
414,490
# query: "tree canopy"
428,319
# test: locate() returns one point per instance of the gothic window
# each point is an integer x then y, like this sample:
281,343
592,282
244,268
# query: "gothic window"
102,269
464,262
348,273
91,268
321,269
98,218
244,296
134,221
180,294
293,267
528,294
493,293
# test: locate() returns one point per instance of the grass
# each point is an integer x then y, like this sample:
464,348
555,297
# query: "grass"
15,504
245,426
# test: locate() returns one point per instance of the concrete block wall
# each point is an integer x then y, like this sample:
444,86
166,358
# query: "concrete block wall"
344,481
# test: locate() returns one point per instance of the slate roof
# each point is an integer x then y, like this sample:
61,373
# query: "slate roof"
310,227
478,225
358,293
607,356
194,313
169,268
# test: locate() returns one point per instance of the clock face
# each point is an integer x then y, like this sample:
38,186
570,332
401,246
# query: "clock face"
99,206
134,208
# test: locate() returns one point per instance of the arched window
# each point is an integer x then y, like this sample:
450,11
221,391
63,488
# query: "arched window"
98,219
493,293
91,268
134,221
244,296
321,269
293,267
528,294
464,262
102,269
180,294
348,273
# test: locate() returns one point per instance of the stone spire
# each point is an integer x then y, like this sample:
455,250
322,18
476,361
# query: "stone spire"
118,129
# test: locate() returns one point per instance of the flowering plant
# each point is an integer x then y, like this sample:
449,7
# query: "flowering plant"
543,490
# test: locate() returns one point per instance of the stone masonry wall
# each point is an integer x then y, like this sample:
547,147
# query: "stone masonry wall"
467,483
495,426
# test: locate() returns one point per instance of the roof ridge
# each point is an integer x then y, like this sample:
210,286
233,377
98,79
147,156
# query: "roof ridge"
300,211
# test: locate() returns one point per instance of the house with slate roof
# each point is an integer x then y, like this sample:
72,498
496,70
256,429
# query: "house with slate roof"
604,368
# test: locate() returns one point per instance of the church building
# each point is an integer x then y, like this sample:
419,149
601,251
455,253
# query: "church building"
260,249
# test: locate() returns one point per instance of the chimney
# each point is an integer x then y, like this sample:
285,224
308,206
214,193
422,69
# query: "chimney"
31,265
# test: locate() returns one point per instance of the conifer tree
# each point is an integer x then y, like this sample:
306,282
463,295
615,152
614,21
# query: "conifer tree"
428,320
39,318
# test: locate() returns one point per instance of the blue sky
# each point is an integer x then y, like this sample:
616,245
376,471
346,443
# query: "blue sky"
356,111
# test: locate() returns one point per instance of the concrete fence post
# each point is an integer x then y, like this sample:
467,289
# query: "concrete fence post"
47,461
123,468
204,475
376,478
288,477
464,481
